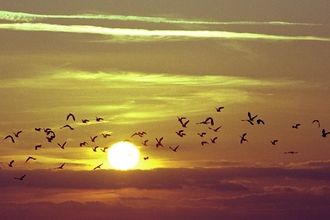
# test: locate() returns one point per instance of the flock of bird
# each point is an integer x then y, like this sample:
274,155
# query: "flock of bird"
183,121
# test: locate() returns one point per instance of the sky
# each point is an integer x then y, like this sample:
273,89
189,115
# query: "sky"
142,65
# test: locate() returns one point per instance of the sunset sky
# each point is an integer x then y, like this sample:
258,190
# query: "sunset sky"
141,65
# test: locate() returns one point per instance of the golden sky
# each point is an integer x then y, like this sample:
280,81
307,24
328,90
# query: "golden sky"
142,64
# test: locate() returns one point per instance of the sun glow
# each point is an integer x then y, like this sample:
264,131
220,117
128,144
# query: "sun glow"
123,155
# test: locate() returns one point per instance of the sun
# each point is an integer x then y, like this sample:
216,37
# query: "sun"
123,155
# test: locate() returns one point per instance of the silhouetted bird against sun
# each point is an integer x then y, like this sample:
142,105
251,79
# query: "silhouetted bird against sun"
174,149
62,145
67,126
295,126
219,108
159,142
37,146
70,115
215,129
98,119
20,178
213,139
60,167
84,121
145,142
30,158
260,121
17,133
98,166
93,138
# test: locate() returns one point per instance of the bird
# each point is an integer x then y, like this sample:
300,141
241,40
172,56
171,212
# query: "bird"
37,146
94,148
206,121
202,134
243,138
93,138
250,117
106,135
215,129
183,124
291,152
324,134
30,158
174,149
180,133
159,142
145,142
295,126
274,142
316,121
219,108
62,145
145,158
20,178
84,121
67,126
51,133
11,137
70,115
83,144
10,164
104,149
260,121
17,133
213,139
204,142
98,119
46,129
50,138
37,129
140,134
60,167
98,166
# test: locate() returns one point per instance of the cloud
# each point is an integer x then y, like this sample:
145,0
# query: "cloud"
29,17
130,35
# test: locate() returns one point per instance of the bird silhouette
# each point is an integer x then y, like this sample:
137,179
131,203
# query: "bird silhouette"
67,126
94,148
215,129
243,138
250,117
219,108
145,142
260,121
84,121
37,146
50,139
62,145
20,178
145,158
93,138
83,144
159,142
174,149
324,134
98,166
30,158
202,134
10,137
17,133
291,152
104,149
206,121
180,133
60,167
213,139
70,115
37,129
98,119
274,142
10,164
204,142
295,126
106,135
316,121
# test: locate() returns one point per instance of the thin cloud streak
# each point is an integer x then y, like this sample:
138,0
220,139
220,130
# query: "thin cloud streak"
28,17
154,35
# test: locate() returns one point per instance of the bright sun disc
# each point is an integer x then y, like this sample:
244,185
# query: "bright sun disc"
123,155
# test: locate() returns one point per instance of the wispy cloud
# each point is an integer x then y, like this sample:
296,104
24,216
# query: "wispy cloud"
154,35
28,17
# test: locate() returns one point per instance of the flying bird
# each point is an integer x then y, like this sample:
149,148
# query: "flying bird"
260,121
93,138
98,166
11,137
243,138
20,178
213,139
145,142
316,121
98,119
324,134
62,145
215,129
202,134
17,133
274,142
180,133
174,149
250,117
30,158
94,148
295,126
67,126
38,146
83,144
37,129
145,158
159,144
50,139
60,167
70,115
204,142
84,121
104,149
291,152
10,164
206,121
106,135
219,108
